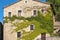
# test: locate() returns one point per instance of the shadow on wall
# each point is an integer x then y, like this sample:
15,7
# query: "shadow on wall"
1,31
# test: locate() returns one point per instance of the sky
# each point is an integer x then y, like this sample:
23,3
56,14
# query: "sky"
5,3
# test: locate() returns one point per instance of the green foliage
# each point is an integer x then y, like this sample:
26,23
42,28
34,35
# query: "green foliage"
12,18
20,18
21,25
46,21
42,23
57,2
56,7
5,20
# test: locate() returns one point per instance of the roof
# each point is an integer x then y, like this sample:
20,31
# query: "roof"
20,0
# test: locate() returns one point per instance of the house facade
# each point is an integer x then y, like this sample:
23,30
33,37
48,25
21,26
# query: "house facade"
24,8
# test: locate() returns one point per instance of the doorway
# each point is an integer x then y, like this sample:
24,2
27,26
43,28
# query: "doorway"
43,36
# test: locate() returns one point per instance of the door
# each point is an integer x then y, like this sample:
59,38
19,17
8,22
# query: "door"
43,36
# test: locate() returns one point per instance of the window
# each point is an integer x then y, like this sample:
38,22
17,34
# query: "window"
43,36
42,10
9,14
25,1
19,12
34,12
18,34
31,27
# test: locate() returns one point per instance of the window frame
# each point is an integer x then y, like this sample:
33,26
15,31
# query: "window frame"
43,10
9,14
26,1
31,27
34,12
18,34
19,12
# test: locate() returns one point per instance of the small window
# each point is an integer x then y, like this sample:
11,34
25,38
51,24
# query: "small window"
19,12
18,34
34,12
25,1
31,27
9,14
42,10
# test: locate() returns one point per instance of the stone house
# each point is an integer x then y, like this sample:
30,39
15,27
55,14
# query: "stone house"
25,8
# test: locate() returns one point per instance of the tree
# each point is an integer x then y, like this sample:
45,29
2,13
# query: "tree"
55,5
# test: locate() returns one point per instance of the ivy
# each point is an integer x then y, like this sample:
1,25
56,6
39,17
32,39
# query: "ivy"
41,23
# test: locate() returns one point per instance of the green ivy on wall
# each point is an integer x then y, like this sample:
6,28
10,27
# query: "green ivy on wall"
42,24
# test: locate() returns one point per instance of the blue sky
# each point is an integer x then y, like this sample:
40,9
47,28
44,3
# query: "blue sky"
5,3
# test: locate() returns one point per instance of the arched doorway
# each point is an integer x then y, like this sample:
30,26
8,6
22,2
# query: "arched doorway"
1,31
